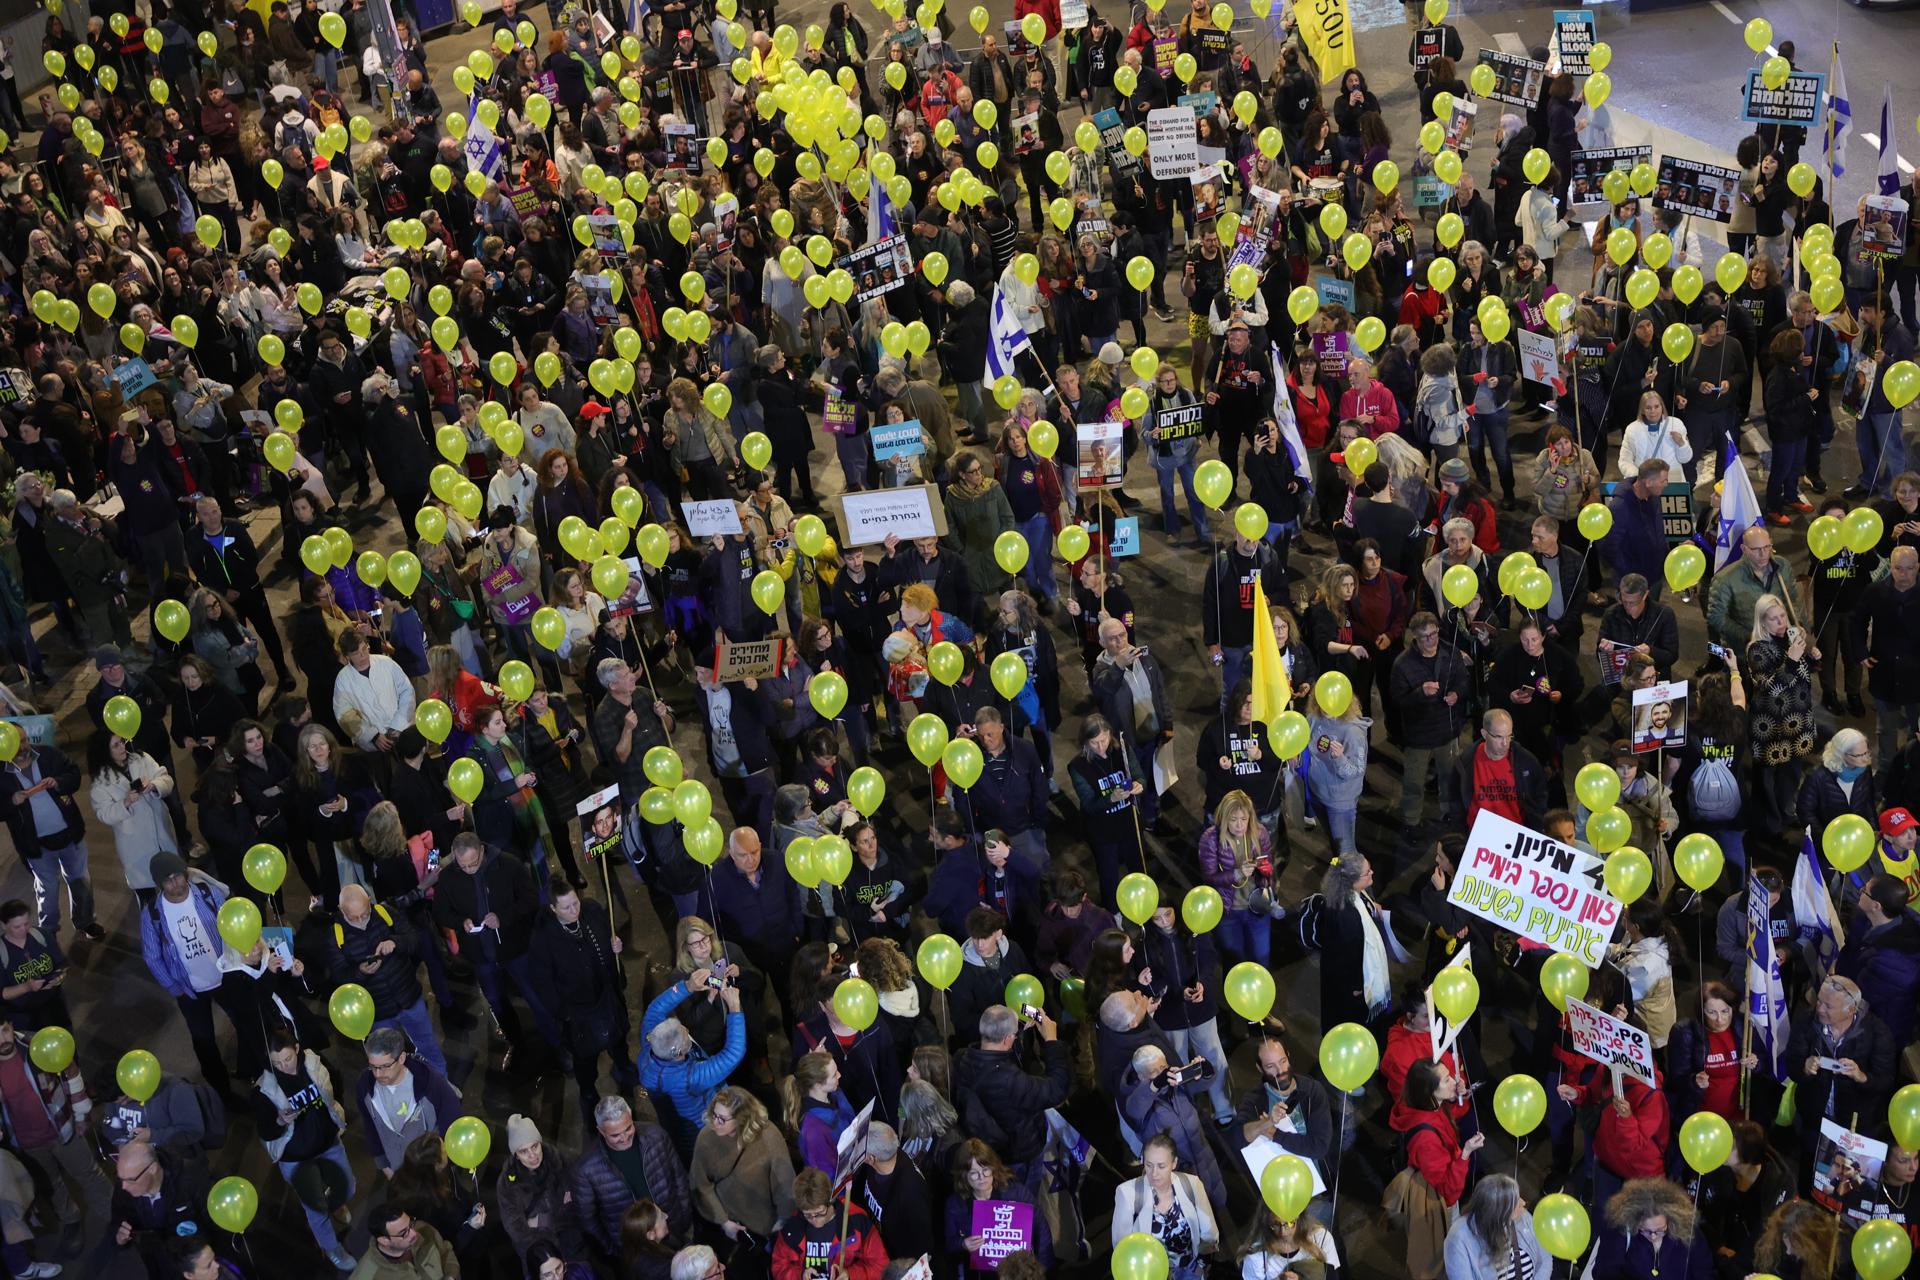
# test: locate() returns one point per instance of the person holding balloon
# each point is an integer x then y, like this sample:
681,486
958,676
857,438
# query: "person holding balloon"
300,1120
1652,1231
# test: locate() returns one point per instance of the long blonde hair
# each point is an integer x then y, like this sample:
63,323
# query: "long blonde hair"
1247,847
688,926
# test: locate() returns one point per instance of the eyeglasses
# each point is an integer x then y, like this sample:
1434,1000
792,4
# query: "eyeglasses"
129,1181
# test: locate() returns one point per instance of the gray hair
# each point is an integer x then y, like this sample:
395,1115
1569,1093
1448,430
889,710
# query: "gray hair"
1148,1061
670,1040
1459,524
1847,989
608,1109
608,670
960,294
789,802
1839,747
882,1142
695,1262
63,501
890,380
1116,1013
386,1042
1634,584
998,1023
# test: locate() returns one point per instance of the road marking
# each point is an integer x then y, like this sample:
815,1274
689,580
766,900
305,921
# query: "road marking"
1873,140
1510,42
1728,14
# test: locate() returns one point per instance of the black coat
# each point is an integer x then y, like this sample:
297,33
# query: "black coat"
1828,1094
65,775
569,968
234,567
1004,1104
503,887
1887,627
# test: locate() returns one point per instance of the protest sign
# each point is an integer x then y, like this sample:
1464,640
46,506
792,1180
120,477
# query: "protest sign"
880,267
1516,79
599,817
9,390
1263,1151
1586,201
1846,1166
1428,44
1331,350
1610,1041
1573,41
1113,134
1538,360
134,376
1334,292
1173,142
1178,424
1026,133
1660,716
839,416
1796,102
1460,123
1531,884
1004,1227
748,659
1073,14
499,588
1441,1033
712,517
1703,190
726,217
869,516
682,153
1883,228
1102,460
893,439
1125,540
1429,192
850,1150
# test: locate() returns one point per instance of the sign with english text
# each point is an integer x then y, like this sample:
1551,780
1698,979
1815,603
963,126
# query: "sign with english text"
1532,885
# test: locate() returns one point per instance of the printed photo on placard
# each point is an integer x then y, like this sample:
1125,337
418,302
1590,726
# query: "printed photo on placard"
600,820
1516,79
1883,227
1460,123
1586,198
1026,133
1101,458
1660,716
683,151
1209,197
1703,190
1846,1165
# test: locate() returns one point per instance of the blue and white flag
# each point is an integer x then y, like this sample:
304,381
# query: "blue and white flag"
1739,506
1006,338
1835,126
1766,993
1889,156
1289,423
880,220
1813,911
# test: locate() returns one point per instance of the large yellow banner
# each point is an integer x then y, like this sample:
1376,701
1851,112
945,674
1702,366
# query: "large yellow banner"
1327,30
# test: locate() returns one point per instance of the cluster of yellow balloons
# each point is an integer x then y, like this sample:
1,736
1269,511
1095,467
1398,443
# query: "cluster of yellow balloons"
1859,531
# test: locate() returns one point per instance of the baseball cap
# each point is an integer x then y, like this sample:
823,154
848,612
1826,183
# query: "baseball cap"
593,409
1894,821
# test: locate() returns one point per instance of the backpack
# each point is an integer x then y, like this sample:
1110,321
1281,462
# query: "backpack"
1713,793
340,930
213,1115
1306,920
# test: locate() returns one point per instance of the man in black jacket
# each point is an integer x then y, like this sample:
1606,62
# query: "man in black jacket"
37,798
1841,1059
1226,604
1431,685
1002,1102
374,950
963,354
335,381
1886,627
896,1195
487,902
575,955
226,562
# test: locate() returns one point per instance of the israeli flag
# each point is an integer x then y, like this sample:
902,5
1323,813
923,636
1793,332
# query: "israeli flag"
1766,994
1836,126
880,220
1889,158
1289,424
1739,507
1813,909
1006,339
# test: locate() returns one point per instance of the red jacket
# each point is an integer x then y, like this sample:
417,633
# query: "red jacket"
1404,1048
1047,9
1633,1146
861,1253
1314,416
1434,1151
1378,401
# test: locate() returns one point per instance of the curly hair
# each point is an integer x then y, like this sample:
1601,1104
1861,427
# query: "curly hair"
884,964
1644,1198
1800,1231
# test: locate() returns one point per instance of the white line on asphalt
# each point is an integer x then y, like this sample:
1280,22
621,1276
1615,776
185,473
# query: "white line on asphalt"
1873,140
1728,14
1510,42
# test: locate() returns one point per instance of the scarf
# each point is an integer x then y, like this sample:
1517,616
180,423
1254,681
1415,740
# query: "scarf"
973,490
1373,954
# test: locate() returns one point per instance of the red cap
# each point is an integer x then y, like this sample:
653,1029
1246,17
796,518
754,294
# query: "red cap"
592,409
685,32
1894,821
320,163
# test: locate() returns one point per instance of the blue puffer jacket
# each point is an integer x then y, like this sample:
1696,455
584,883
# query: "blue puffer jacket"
682,1089
1886,963
157,946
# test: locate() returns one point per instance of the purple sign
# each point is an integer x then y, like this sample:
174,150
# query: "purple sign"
1004,1227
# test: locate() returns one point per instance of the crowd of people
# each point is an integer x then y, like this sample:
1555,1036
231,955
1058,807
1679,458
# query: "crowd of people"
653,633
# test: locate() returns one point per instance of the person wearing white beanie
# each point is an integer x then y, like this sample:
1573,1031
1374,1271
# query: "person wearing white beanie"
532,1191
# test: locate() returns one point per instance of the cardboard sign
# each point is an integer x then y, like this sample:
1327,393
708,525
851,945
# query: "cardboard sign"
1173,142
1659,716
1166,49
1178,424
748,659
1846,1167
1883,228
502,582
1703,190
870,516
1102,461
897,439
1113,135
1073,14
1795,102
726,215
1331,349
851,1148
1460,122
1440,1032
1429,192
1676,512
134,376
838,415
1573,35
712,517
682,149
1334,292
1609,1041
1516,79
1428,44
600,822
1586,201
1124,542
1532,885
1539,361
1026,134
880,267
1005,1226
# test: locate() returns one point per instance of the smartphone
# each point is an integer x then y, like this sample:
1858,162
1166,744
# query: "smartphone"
1029,1013
433,861
1719,651
374,612
716,982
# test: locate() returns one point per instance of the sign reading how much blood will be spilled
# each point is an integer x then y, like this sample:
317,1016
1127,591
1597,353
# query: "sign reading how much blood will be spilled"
1545,891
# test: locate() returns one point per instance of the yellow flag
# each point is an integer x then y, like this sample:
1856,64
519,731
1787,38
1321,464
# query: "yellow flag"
1271,691
1327,30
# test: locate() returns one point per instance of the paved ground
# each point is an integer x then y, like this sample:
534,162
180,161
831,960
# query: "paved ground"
1674,70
